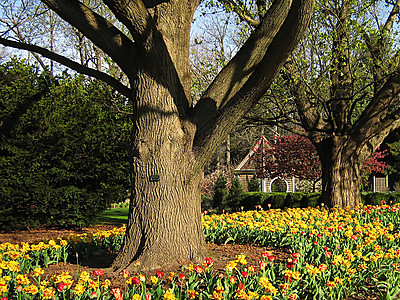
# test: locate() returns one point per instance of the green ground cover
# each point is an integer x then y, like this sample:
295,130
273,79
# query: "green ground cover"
113,216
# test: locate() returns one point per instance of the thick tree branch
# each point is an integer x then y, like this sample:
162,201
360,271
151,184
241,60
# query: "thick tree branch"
70,64
257,83
390,21
342,83
153,3
235,74
373,114
310,118
100,31
134,15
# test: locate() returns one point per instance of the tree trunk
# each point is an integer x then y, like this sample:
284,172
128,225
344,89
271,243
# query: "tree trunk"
165,209
341,165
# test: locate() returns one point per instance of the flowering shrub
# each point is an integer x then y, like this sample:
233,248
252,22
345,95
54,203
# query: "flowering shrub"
334,254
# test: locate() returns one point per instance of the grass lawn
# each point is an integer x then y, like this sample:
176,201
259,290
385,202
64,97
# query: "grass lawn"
113,216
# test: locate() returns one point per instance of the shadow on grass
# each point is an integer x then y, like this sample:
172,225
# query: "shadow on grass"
115,216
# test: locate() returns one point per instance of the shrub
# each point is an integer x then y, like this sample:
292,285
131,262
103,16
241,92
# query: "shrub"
394,198
311,200
278,200
63,155
220,192
376,198
252,199
294,200
254,184
267,203
206,203
235,194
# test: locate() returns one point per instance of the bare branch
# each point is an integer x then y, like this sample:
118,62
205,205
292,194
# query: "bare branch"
390,20
385,97
70,64
100,31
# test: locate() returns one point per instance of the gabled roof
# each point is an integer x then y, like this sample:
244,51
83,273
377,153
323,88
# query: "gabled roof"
247,164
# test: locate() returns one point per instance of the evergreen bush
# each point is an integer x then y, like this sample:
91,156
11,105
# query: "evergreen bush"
254,184
63,155
252,199
394,198
220,192
235,194
376,198
278,200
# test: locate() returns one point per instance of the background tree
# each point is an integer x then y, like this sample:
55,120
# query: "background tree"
343,85
217,36
174,137
288,156
393,159
64,158
295,155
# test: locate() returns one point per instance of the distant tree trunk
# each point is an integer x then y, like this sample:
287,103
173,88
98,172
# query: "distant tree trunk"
228,151
341,165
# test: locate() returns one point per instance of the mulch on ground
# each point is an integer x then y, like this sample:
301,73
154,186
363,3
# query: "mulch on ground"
221,254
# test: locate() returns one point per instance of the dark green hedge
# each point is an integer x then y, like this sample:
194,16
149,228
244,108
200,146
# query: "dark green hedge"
281,200
63,153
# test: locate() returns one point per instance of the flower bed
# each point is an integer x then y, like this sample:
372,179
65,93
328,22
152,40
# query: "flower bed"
334,254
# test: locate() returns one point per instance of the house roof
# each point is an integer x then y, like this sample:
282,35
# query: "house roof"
247,165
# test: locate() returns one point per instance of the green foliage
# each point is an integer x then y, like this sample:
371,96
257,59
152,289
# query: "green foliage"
220,192
254,184
63,157
394,198
376,198
278,200
294,200
206,203
235,194
311,200
252,199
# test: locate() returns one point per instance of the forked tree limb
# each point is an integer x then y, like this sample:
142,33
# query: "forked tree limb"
99,30
257,83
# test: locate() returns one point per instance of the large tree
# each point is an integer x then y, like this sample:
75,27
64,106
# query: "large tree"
173,139
342,86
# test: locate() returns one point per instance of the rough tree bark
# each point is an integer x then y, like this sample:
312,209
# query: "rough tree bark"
173,139
343,136
341,180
